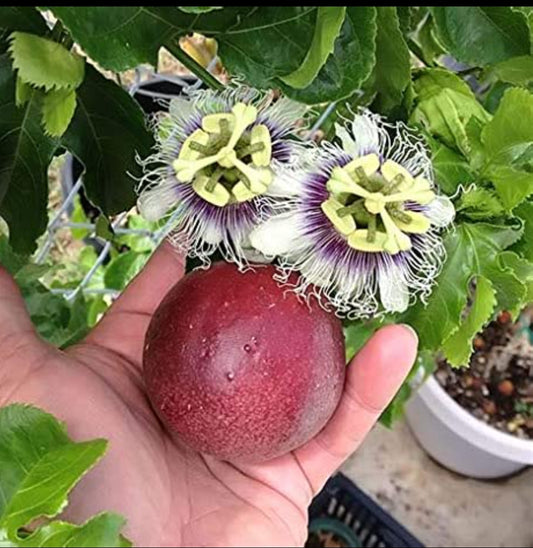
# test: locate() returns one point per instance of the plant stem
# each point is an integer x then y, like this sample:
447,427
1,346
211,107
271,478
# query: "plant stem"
189,63
417,51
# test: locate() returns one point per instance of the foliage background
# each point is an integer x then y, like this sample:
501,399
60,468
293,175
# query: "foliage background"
462,75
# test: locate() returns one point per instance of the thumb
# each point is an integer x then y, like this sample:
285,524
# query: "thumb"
15,323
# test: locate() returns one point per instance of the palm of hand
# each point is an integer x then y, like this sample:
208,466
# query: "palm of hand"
171,495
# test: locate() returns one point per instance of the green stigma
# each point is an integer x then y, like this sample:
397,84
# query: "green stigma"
366,204
227,161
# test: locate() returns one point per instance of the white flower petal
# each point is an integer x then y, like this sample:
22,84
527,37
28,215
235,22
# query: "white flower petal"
212,234
440,211
366,133
278,235
155,202
393,289
348,143
284,184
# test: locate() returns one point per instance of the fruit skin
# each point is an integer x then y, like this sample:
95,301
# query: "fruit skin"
241,369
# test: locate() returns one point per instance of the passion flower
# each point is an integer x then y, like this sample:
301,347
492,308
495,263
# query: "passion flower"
364,229
219,168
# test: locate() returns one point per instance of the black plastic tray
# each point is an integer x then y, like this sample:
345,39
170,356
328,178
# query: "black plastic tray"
343,501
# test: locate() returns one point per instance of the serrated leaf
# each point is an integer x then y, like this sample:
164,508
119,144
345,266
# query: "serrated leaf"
479,203
472,250
23,18
107,131
328,25
431,47
102,530
482,35
444,105
517,70
451,168
350,64
25,154
23,92
392,71
39,465
525,245
458,347
508,147
123,269
44,63
58,109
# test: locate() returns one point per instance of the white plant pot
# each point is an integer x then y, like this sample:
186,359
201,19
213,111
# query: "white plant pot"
459,441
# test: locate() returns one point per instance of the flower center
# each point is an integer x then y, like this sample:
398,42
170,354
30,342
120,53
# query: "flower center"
227,161
366,204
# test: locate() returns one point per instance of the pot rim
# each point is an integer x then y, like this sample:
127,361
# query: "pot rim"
473,430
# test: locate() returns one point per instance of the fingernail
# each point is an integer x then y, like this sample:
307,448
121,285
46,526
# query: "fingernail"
411,330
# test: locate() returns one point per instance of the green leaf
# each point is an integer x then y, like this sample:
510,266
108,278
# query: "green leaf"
23,92
357,333
392,72
45,63
458,347
123,269
58,109
444,105
451,168
482,35
517,70
25,154
102,530
525,245
106,132
508,147
103,228
200,9
328,25
350,64
266,42
431,48
472,250
23,18
256,42
39,465
479,203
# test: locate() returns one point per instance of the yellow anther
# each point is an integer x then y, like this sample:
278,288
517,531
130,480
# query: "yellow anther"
418,224
219,196
369,163
242,193
359,240
244,116
187,169
186,152
211,122
341,182
375,203
390,170
396,240
345,225
261,135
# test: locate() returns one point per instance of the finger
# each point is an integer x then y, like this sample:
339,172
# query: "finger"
123,327
16,327
14,318
373,377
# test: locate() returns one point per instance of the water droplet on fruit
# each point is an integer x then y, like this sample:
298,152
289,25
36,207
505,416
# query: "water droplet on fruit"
226,304
189,407
191,326
230,376
247,348
254,339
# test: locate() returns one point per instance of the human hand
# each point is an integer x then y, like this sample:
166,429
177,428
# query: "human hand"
171,495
